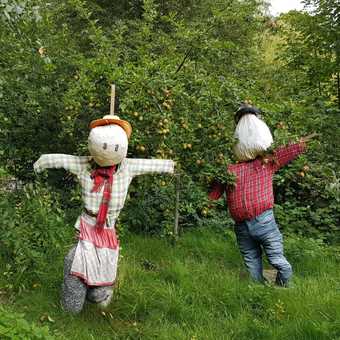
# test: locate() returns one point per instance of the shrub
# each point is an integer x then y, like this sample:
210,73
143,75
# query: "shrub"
179,78
14,326
33,234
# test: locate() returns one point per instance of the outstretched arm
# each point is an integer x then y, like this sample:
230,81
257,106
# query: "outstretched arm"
286,154
141,166
74,164
217,190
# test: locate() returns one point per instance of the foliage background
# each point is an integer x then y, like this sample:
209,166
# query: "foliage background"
181,69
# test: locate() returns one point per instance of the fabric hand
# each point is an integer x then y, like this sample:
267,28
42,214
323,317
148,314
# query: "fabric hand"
307,138
36,167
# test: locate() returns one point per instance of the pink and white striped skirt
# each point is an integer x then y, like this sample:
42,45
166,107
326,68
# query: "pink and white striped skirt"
96,256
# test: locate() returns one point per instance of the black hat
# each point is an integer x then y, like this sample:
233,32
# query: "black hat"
246,109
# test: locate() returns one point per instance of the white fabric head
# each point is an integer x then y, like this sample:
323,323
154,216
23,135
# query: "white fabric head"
254,137
108,144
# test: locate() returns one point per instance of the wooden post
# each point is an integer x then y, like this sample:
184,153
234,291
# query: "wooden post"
177,205
113,93
338,83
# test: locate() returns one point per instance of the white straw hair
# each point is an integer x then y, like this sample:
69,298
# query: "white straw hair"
254,137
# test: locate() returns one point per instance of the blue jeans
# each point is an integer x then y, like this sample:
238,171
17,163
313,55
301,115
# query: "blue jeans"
260,233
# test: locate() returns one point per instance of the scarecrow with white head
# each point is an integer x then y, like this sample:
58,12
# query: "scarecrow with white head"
252,134
250,199
90,267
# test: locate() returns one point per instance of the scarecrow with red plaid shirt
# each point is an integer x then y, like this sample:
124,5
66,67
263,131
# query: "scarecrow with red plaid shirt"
250,200
90,267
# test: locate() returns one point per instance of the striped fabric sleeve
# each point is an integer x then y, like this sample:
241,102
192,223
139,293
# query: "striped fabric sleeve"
74,164
140,166
286,154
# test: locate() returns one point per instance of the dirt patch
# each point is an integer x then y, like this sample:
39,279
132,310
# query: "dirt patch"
270,275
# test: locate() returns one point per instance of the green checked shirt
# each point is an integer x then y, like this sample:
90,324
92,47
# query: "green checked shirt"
81,167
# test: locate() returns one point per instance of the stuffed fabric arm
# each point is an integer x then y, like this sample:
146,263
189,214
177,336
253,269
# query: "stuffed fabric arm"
74,164
140,166
286,154
216,191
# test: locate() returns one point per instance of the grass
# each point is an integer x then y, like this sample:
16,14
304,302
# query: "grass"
194,290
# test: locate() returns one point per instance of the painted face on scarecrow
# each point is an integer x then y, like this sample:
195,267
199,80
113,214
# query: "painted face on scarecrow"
252,134
108,144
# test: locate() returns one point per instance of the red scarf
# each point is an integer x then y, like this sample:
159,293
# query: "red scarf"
103,177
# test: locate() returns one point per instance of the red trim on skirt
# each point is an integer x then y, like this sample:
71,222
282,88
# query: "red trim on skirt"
83,278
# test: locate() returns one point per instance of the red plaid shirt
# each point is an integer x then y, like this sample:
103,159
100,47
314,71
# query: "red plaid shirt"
253,191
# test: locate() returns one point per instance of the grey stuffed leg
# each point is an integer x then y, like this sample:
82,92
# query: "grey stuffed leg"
73,289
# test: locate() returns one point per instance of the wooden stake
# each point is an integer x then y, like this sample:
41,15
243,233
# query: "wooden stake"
113,93
177,205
